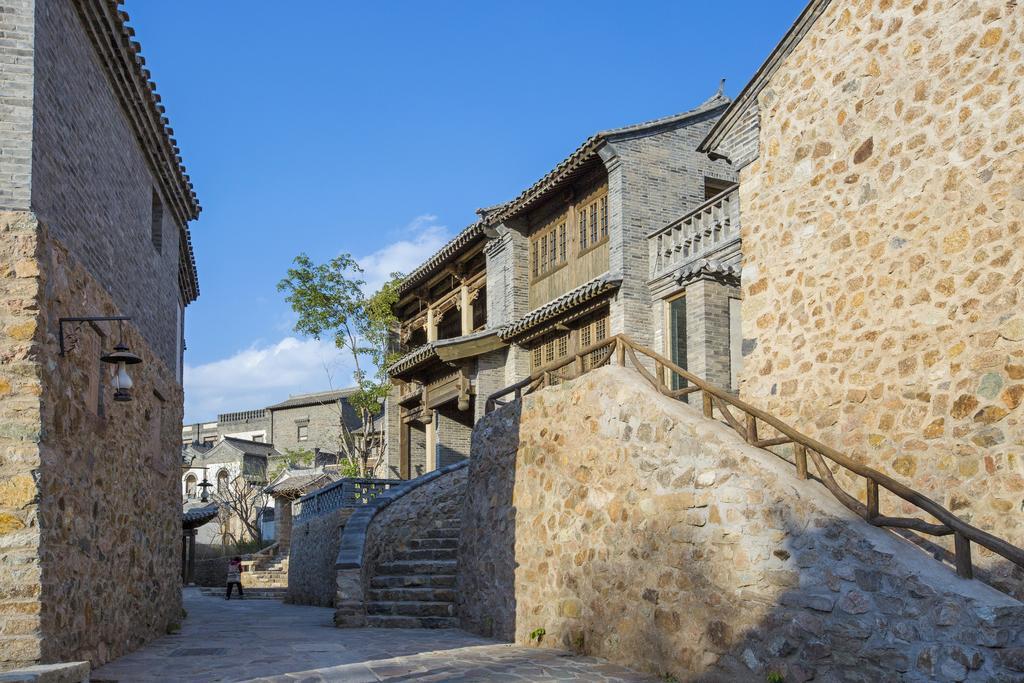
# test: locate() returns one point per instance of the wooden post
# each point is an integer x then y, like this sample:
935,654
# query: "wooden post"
578,364
547,378
800,451
466,309
431,326
872,507
659,373
964,569
192,556
708,405
751,428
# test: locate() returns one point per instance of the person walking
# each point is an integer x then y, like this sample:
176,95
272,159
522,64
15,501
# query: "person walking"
235,577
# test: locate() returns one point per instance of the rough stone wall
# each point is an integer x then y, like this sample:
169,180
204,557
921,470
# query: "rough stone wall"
639,531
90,178
314,550
93,570
20,389
883,271
16,58
211,572
652,180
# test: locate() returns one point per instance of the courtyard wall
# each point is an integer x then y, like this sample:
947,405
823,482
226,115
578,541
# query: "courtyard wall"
314,551
883,274
627,526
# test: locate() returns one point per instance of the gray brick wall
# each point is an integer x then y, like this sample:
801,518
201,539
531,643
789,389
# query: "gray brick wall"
16,67
742,145
392,434
708,348
652,180
324,426
91,185
454,431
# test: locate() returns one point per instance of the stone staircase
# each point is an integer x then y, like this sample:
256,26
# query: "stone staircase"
266,572
416,589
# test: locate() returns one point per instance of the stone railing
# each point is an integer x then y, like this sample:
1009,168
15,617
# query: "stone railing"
700,233
344,493
351,565
242,416
747,420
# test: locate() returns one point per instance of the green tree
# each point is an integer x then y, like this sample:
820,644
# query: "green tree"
330,301
292,457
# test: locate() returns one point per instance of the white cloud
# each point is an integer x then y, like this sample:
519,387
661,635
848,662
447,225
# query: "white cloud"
261,375
421,238
264,374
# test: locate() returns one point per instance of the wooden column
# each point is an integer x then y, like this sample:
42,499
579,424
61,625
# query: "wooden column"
404,461
431,326
466,307
431,444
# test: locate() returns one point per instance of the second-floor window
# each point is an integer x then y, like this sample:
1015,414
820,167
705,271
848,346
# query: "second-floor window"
592,221
549,248
303,433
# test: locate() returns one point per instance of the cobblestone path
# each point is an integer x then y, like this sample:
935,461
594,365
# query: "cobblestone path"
265,640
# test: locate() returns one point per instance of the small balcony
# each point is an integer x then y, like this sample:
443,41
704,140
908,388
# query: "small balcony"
708,230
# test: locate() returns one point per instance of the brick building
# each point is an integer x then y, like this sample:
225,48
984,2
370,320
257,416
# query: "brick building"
882,261
94,212
594,248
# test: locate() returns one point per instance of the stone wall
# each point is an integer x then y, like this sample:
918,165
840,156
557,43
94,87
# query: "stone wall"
212,571
314,550
453,434
629,527
883,272
91,508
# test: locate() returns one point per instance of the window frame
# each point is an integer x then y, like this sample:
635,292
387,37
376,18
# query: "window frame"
549,248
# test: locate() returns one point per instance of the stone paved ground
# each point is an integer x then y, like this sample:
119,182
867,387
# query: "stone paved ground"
265,640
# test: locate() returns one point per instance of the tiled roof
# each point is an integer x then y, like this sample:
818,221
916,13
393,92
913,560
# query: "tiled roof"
454,247
121,58
707,267
198,516
299,482
588,151
315,399
413,358
568,301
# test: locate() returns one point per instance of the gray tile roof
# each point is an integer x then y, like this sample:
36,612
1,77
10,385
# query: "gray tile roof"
465,239
314,399
300,481
591,290
711,267
193,517
429,350
588,151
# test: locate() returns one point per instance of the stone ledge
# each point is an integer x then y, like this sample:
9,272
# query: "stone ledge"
67,672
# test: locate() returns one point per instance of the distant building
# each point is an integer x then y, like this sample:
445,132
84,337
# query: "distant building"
302,422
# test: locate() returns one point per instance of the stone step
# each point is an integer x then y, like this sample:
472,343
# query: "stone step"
385,621
416,594
427,554
417,567
441,532
423,543
251,593
413,581
412,609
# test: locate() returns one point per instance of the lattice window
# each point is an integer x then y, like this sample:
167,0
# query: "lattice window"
593,222
548,248
604,216
581,218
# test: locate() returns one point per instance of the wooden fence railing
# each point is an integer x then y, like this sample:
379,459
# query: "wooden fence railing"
746,423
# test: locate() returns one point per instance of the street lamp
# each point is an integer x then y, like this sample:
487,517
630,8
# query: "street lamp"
120,356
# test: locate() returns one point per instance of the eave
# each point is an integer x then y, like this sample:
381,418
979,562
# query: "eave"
531,324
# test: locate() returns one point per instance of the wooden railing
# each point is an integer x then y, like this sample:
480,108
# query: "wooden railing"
805,448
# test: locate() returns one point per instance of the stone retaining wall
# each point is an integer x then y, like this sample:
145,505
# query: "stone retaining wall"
314,551
627,526
212,572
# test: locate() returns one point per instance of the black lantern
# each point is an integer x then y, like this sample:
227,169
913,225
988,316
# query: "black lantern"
120,356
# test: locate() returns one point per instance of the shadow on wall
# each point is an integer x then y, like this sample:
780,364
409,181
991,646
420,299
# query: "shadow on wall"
627,526
487,546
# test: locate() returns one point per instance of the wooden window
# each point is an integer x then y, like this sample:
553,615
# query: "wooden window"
551,348
548,250
592,331
592,219
303,433
582,219
604,216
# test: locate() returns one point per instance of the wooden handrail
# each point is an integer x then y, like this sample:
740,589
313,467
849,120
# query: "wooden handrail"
624,349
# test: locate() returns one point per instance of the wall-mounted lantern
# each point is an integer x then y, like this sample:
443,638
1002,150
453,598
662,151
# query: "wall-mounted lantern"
120,356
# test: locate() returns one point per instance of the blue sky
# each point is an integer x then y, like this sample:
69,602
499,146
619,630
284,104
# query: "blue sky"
378,128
